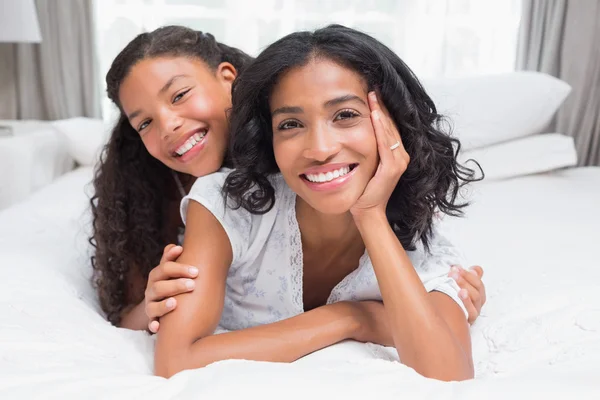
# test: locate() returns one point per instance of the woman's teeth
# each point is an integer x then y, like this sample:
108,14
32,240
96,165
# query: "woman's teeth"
329,176
190,143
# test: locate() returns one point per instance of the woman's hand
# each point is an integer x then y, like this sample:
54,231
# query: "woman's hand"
472,291
393,161
166,280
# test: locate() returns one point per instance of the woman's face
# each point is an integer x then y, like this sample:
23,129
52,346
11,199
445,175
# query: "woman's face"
179,107
323,137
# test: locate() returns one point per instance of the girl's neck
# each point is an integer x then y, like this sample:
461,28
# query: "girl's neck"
318,230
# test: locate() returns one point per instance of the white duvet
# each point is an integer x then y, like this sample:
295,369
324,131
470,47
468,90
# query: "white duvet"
537,237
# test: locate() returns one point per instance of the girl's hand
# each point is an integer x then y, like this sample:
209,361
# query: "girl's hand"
372,324
472,291
166,280
393,161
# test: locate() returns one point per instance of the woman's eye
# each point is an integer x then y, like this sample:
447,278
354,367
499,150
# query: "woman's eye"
346,114
180,96
289,125
143,125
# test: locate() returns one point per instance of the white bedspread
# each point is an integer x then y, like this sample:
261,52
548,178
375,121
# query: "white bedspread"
537,237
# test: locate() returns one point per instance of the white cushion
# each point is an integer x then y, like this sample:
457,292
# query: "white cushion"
85,138
31,157
491,109
525,156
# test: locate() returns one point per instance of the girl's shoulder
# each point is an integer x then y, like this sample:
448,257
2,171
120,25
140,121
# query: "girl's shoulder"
210,185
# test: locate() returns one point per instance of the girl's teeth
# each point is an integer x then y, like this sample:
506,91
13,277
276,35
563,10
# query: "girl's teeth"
329,176
191,142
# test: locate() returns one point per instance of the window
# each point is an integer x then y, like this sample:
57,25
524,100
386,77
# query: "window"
436,38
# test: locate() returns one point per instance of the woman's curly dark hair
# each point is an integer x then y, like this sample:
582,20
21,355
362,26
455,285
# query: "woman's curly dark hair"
433,177
132,188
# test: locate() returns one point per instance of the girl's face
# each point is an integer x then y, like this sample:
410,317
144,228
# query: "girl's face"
323,138
179,107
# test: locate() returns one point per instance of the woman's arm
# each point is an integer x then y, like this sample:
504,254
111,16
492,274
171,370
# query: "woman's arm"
186,339
430,330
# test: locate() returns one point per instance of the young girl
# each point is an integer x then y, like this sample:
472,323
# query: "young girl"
341,169
172,86
172,79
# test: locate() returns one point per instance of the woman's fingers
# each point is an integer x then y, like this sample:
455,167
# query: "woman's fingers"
389,145
381,132
471,309
478,270
472,291
473,277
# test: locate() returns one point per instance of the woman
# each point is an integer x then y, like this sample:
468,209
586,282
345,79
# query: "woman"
330,211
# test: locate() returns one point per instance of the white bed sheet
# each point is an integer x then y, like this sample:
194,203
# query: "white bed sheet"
537,237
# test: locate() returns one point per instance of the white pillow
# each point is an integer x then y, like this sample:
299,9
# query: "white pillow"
525,156
85,138
491,109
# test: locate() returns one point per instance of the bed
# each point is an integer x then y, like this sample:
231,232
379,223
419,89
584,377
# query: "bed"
536,235
534,225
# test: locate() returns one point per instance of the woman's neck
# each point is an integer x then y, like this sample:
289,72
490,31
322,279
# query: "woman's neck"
318,230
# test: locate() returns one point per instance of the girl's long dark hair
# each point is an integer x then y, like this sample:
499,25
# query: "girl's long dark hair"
132,188
433,177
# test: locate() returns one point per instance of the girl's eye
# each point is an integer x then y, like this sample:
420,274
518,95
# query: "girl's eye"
143,125
346,114
180,96
290,124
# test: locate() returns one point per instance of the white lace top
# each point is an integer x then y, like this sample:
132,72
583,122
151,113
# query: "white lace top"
264,283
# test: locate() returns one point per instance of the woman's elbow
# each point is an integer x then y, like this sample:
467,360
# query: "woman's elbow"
167,368
169,363
457,374
166,371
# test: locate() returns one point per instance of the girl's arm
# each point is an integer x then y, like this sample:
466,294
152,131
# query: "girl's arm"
166,280
134,317
186,339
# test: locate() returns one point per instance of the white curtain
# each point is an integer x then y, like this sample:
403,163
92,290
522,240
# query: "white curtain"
436,38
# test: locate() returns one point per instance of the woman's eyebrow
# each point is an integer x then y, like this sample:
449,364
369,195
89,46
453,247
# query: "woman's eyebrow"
328,103
343,99
287,110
